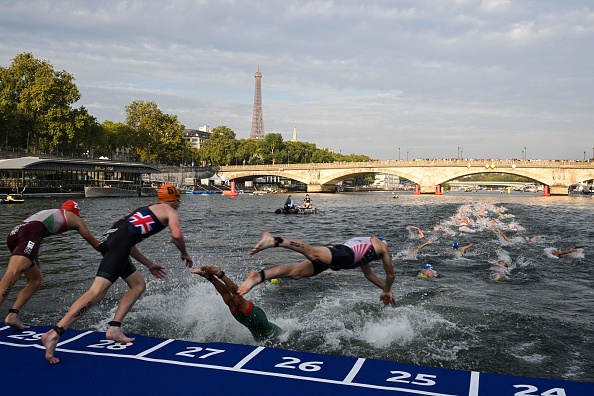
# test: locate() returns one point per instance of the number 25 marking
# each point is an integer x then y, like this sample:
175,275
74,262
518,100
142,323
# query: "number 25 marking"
420,379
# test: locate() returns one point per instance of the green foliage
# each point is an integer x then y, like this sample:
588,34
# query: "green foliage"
220,148
160,136
36,101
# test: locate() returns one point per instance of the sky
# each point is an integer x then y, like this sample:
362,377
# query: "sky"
400,79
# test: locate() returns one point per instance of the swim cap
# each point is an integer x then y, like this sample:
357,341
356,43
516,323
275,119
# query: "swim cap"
428,266
71,206
455,245
383,240
168,193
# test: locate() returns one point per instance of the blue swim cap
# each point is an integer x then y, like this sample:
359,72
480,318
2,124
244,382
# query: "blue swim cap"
455,245
383,240
428,266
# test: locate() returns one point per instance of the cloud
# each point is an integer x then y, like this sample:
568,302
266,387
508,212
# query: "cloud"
357,76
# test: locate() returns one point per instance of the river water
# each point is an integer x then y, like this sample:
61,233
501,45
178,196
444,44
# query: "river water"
538,322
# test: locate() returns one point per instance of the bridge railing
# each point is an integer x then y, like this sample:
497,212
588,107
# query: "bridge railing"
487,163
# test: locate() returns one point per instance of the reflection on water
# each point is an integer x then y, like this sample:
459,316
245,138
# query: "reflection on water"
538,322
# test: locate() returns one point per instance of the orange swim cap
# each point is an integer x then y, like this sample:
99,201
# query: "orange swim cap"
168,193
71,206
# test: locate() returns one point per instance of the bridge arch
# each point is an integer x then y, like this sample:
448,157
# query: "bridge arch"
429,175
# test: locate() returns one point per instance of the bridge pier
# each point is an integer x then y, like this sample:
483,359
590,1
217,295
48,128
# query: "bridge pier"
427,189
319,188
558,190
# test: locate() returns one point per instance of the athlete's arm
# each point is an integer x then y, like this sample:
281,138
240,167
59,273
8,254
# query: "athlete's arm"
155,269
76,223
177,237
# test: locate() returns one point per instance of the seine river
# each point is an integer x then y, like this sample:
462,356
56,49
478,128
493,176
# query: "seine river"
538,322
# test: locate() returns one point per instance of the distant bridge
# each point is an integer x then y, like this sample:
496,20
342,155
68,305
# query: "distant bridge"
428,175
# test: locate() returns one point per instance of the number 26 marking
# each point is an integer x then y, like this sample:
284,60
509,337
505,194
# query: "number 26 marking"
420,379
305,366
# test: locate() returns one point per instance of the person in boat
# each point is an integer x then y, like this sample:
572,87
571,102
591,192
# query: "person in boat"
289,204
307,202
24,242
460,250
117,245
427,272
356,252
244,311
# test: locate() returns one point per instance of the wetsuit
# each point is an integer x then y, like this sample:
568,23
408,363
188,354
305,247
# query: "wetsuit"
117,242
25,239
257,323
351,254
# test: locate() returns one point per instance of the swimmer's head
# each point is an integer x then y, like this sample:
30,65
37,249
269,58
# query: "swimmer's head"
274,281
455,245
428,266
383,240
71,206
168,193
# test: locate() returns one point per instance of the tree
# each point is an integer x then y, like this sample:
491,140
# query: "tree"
272,146
221,147
161,136
37,99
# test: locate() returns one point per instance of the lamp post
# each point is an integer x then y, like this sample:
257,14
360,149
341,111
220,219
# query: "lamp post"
525,154
522,155
458,152
407,156
461,152
584,156
399,153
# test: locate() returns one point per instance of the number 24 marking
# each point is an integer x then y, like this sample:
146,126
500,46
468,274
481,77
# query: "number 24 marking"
531,388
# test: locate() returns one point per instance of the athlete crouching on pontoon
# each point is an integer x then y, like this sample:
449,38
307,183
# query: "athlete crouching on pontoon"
244,311
356,252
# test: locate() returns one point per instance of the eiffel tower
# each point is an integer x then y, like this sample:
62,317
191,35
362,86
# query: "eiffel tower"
257,118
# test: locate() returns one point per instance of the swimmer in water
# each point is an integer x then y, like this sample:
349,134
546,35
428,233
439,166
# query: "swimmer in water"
427,272
244,311
500,271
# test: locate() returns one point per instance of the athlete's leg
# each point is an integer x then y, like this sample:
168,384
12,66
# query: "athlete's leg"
34,280
91,297
312,253
16,266
302,270
137,286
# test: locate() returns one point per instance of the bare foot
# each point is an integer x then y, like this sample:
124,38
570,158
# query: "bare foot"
252,280
216,271
266,242
50,340
114,333
14,321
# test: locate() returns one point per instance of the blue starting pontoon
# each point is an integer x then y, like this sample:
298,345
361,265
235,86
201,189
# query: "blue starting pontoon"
90,365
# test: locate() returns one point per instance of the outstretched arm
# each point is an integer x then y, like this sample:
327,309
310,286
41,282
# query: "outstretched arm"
76,223
155,269
177,237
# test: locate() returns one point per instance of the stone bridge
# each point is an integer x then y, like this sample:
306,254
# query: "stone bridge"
428,175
